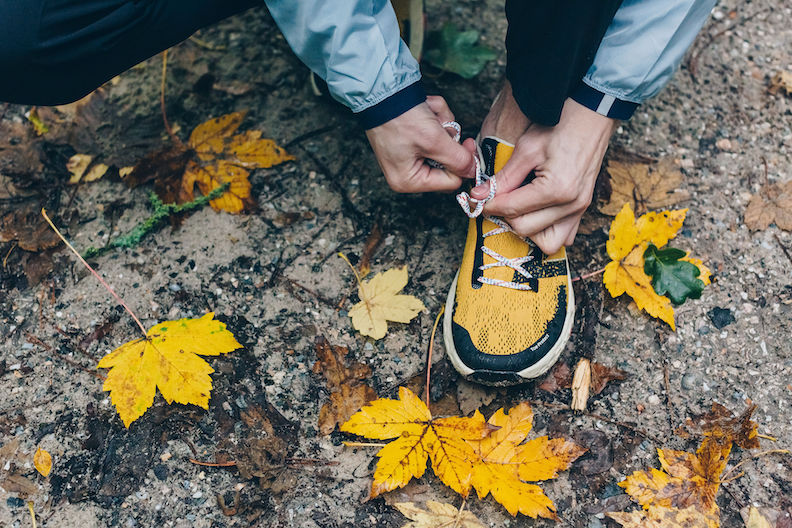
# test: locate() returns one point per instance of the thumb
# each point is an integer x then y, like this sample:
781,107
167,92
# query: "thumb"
457,159
511,175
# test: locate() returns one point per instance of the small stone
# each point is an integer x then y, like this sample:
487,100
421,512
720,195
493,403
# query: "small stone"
690,381
704,330
161,471
164,457
15,502
721,317
174,287
241,403
594,523
654,399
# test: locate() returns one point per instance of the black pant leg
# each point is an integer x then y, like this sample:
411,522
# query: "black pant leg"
56,51
550,44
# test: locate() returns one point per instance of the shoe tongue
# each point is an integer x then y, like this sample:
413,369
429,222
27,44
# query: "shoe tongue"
494,153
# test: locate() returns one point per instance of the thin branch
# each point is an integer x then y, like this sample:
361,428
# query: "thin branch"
98,277
429,354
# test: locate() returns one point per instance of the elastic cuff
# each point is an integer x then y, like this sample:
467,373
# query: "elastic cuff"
602,103
393,106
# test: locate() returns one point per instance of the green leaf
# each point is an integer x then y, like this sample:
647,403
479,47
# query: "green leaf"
670,276
457,51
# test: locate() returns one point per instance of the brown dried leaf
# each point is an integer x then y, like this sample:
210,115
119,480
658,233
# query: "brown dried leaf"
19,484
773,204
601,375
372,242
28,228
643,186
348,392
558,378
721,424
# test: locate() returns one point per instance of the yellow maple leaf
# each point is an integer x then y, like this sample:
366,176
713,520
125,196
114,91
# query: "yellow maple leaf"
658,517
505,463
42,461
226,157
437,515
643,186
627,242
168,360
418,437
381,302
683,489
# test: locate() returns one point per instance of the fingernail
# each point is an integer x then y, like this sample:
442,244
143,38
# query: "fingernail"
480,191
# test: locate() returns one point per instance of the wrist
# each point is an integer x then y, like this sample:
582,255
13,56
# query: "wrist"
392,106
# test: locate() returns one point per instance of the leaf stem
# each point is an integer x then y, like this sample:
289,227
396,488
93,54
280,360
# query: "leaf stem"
99,278
230,463
429,354
363,444
32,514
168,128
757,455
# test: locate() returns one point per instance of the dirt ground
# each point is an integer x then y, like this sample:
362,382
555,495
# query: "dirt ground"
273,277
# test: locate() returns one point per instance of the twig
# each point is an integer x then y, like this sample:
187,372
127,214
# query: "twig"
168,128
206,45
363,444
429,354
589,275
98,277
757,455
5,260
767,437
783,248
161,212
560,407
230,463
669,403
318,297
459,513
308,135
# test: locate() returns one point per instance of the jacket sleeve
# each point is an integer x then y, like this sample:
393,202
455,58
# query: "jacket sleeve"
355,46
640,52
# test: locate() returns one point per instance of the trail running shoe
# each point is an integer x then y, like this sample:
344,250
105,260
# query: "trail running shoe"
510,308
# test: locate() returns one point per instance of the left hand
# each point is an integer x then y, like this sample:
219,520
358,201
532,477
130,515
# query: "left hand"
566,159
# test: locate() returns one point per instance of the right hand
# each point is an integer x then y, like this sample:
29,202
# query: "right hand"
403,144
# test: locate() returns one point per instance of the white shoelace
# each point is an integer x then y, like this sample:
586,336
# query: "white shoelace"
465,201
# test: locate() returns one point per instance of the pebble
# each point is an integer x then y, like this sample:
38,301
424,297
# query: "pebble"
241,403
594,523
15,502
161,471
654,399
174,287
690,381
720,317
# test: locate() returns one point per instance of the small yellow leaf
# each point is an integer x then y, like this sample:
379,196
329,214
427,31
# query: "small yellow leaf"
77,165
756,519
380,302
659,517
418,437
627,242
438,515
208,139
42,460
226,157
167,359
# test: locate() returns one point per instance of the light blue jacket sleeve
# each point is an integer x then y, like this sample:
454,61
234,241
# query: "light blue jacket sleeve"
354,45
644,46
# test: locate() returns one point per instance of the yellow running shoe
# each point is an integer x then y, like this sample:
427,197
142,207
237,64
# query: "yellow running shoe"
510,308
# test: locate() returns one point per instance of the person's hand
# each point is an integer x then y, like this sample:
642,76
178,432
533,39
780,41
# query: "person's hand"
566,159
403,144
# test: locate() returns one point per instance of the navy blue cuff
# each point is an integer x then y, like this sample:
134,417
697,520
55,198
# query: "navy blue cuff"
604,104
393,106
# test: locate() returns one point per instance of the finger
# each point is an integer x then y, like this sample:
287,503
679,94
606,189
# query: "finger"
437,180
523,160
456,159
533,223
440,108
570,239
551,239
537,195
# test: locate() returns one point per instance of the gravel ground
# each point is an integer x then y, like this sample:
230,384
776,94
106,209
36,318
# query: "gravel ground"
273,277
